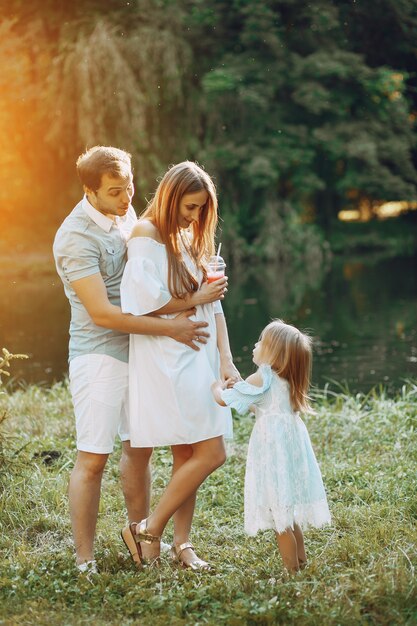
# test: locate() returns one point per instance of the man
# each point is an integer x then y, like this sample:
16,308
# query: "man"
90,256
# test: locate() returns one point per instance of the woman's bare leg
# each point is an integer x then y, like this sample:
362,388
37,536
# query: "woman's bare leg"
287,545
299,537
206,456
183,516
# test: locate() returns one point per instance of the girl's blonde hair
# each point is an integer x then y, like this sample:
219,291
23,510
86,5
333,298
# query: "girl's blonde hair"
184,178
289,352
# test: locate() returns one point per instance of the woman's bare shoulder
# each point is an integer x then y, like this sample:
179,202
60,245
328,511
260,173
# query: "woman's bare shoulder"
145,228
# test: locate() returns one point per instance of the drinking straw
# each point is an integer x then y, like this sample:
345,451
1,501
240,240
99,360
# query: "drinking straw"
218,255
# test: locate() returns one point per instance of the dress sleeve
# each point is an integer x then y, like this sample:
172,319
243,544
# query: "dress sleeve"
242,395
143,288
218,309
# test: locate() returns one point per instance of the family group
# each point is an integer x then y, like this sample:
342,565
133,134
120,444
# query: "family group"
150,362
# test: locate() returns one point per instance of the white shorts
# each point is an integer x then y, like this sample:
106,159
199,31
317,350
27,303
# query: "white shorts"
99,389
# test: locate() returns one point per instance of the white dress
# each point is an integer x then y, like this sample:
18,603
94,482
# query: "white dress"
170,400
283,482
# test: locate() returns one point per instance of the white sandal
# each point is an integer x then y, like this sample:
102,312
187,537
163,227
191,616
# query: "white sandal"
88,567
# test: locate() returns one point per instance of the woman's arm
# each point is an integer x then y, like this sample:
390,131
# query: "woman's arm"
228,371
206,294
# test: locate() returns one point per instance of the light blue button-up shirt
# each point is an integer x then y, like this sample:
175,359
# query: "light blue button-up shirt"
88,243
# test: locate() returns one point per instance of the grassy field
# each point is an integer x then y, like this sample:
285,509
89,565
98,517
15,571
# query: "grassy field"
361,569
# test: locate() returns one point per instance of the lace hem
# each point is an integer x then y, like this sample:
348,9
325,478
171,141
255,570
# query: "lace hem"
280,519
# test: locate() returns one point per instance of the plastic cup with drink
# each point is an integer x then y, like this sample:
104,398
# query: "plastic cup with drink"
215,267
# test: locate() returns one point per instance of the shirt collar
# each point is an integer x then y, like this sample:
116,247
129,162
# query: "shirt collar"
98,218
102,220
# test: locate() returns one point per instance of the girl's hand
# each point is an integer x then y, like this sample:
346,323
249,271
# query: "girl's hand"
216,389
210,292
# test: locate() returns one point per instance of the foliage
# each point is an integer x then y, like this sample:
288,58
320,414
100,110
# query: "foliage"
6,360
361,569
297,108
294,113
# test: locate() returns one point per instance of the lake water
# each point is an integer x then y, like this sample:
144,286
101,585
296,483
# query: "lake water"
362,314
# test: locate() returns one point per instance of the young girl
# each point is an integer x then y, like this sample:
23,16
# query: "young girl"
170,403
283,484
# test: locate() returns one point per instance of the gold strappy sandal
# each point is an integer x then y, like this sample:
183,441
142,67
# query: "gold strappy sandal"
196,564
143,535
132,536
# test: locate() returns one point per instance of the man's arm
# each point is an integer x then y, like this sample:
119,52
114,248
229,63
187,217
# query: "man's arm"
93,295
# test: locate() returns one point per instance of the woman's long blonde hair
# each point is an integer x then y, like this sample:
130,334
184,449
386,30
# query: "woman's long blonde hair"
289,352
162,211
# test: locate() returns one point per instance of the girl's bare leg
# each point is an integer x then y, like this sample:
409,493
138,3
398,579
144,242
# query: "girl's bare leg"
287,545
206,457
299,537
183,517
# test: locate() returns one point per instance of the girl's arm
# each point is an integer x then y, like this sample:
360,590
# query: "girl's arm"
218,386
216,389
255,379
236,398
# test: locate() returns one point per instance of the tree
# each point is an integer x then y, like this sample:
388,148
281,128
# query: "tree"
289,104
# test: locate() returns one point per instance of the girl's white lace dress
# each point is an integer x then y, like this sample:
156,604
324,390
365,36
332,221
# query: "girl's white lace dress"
283,482
170,400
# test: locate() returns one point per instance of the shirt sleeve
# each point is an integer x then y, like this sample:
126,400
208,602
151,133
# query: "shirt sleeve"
242,395
143,288
76,256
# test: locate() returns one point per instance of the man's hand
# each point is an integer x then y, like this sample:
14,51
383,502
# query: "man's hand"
186,331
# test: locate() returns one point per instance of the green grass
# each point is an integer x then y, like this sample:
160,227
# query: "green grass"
361,569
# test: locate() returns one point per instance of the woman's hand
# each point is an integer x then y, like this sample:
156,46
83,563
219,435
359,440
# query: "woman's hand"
229,373
210,292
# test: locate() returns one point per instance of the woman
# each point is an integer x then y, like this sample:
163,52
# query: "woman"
170,399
